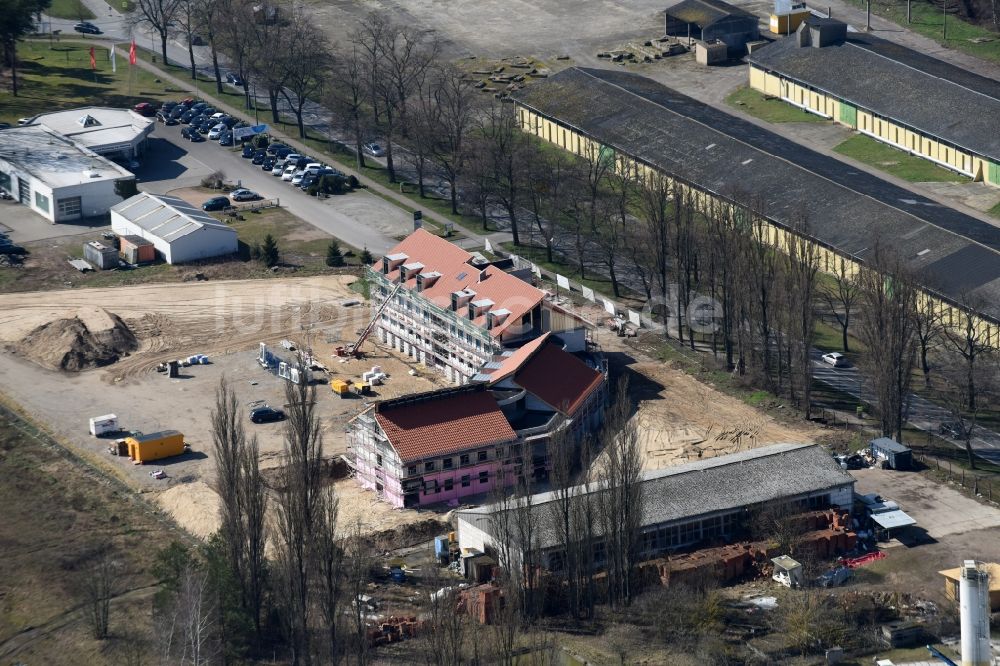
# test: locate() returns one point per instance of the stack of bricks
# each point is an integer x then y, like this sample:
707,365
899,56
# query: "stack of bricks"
481,602
393,629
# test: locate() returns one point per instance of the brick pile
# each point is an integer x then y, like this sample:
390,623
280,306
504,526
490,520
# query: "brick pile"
393,630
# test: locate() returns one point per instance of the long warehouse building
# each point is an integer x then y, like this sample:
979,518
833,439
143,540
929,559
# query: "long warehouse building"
623,116
906,99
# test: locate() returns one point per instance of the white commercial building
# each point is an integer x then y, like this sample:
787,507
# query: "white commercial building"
57,177
179,231
114,133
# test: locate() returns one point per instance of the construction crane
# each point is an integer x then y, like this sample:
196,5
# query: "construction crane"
355,349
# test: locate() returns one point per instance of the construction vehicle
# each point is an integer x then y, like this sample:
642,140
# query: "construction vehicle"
355,349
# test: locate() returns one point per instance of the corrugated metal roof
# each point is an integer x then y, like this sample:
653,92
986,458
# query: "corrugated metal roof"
166,216
736,159
893,519
725,483
925,94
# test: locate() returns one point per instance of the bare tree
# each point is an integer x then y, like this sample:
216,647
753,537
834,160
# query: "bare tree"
206,13
299,504
447,630
802,265
228,442
253,504
455,100
886,327
100,586
968,339
330,576
189,634
841,295
158,16
188,22
928,327
232,39
357,571
307,62
620,496
507,145
655,199
348,95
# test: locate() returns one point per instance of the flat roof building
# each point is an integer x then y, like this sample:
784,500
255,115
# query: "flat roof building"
55,176
697,502
909,100
179,231
955,257
114,133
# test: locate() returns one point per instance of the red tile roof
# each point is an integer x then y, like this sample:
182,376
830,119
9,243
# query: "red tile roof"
559,379
439,425
511,364
437,254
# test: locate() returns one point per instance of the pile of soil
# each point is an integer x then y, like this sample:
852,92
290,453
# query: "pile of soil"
89,339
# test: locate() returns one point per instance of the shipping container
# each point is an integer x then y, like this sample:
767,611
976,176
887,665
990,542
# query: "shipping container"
102,425
157,445
137,250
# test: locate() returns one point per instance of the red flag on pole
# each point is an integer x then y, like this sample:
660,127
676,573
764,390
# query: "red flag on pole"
93,60
131,53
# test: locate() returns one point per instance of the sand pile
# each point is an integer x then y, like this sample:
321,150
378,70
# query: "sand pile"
195,507
92,337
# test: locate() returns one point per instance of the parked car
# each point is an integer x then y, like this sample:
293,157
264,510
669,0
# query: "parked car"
953,429
145,109
186,132
248,151
243,194
196,137
259,157
278,168
308,180
87,28
216,203
229,121
166,118
188,115
216,131
373,149
198,106
4,126
226,138
178,111
24,121
206,127
275,147
266,414
267,164
836,359
235,79
289,172
297,178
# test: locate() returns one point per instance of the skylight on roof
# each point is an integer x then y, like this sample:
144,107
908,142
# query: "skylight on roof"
462,275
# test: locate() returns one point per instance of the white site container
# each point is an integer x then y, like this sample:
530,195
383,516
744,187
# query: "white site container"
102,425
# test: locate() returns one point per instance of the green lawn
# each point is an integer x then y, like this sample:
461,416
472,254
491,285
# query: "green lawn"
928,21
772,110
58,76
896,162
73,10
995,211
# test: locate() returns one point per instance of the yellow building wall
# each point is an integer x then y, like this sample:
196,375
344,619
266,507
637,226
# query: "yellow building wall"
829,261
879,128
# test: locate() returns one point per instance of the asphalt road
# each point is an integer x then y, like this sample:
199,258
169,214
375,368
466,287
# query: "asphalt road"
922,413
359,218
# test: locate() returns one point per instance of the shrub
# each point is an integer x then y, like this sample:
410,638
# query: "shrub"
334,256
366,257
269,251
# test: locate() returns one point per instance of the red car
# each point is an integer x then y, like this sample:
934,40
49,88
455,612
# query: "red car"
145,109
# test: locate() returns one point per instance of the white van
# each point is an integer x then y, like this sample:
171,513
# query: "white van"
102,425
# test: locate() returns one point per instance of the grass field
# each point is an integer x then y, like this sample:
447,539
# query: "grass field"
58,76
995,211
896,162
772,110
59,513
73,10
928,21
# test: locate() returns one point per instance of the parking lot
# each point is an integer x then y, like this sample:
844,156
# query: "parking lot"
359,219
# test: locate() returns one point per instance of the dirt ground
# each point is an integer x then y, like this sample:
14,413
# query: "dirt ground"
681,419
226,321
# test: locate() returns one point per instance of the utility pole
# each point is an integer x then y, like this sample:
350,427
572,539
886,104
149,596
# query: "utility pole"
868,18
908,11
944,19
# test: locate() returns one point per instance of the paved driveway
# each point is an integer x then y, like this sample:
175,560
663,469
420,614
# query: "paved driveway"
360,218
938,508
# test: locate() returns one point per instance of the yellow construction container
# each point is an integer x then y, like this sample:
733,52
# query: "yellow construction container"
362,388
146,448
340,387
786,24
